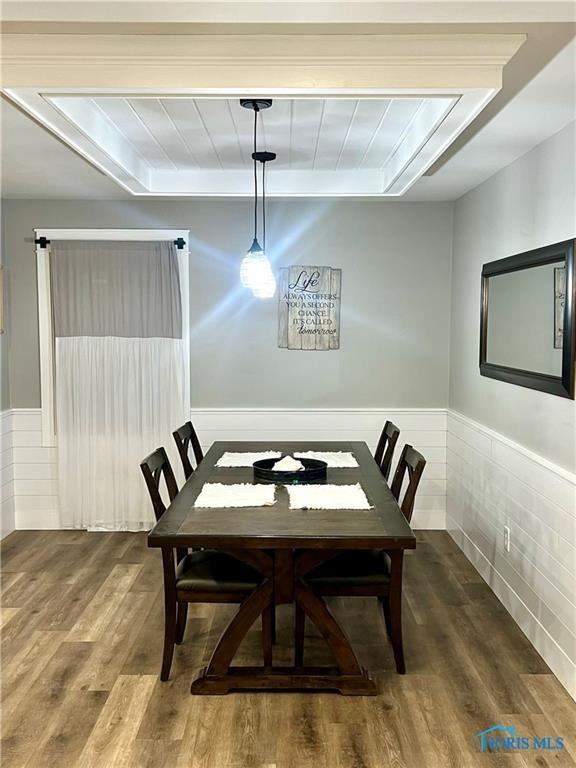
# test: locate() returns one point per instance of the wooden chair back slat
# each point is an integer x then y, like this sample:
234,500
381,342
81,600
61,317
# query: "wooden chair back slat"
154,467
184,437
411,462
385,448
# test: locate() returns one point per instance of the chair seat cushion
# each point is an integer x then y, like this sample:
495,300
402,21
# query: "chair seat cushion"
360,568
211,571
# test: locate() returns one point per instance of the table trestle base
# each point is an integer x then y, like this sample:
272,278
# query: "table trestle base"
284,679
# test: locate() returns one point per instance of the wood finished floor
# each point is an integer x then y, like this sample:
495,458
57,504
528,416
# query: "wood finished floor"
81,647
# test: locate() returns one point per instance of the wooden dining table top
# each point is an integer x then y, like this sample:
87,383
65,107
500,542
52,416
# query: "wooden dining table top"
277,526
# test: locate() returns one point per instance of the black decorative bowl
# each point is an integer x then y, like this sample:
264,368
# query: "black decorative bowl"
314,472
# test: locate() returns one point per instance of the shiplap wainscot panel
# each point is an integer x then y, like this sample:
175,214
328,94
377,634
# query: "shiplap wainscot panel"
425,428
35,489
309,308
7,501
33,469
493,482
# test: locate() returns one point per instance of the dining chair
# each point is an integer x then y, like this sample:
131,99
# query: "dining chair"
385,448
370,573
185,436
203,576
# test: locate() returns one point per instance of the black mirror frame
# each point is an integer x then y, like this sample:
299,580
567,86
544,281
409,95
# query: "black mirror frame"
563,385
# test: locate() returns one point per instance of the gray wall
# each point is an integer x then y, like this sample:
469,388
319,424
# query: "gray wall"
527,205
4,337
396,260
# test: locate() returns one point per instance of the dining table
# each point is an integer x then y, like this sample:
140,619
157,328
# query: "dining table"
284,545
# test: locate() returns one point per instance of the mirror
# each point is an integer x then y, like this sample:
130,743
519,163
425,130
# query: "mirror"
522,322
527,325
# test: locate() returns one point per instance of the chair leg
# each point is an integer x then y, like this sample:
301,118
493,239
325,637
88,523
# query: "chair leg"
267,634
395,603
169,637
385,605
181,616
273,618
299,626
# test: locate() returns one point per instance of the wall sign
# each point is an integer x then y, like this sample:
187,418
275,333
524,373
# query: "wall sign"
309,307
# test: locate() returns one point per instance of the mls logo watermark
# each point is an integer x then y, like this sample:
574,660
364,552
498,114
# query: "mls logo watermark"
502,738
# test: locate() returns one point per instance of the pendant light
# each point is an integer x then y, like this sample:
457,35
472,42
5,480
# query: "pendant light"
255,270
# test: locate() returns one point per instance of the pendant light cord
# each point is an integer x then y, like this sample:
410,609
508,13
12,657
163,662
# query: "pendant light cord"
264,207
255,177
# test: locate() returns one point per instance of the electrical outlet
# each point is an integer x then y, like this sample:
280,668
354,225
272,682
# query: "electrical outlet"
507,538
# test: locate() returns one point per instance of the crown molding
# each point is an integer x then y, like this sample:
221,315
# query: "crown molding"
256,61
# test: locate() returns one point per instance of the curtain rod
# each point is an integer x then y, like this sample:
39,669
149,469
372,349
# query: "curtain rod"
43,242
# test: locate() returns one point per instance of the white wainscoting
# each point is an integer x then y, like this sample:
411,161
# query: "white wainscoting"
7,515
424,428
33,467
493,482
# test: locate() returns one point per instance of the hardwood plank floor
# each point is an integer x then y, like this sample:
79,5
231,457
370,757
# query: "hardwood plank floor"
82,622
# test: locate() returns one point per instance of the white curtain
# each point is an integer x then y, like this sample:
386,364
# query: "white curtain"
118,396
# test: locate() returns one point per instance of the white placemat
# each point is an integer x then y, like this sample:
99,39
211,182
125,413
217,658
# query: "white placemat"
235,495
332,458
229,459
327,497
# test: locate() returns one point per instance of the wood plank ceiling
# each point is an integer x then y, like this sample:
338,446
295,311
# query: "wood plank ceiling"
307,134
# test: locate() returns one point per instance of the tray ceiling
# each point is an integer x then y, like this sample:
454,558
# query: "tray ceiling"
353,115
201,146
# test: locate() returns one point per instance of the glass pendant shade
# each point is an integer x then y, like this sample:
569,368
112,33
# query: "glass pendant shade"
256,272
266,283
